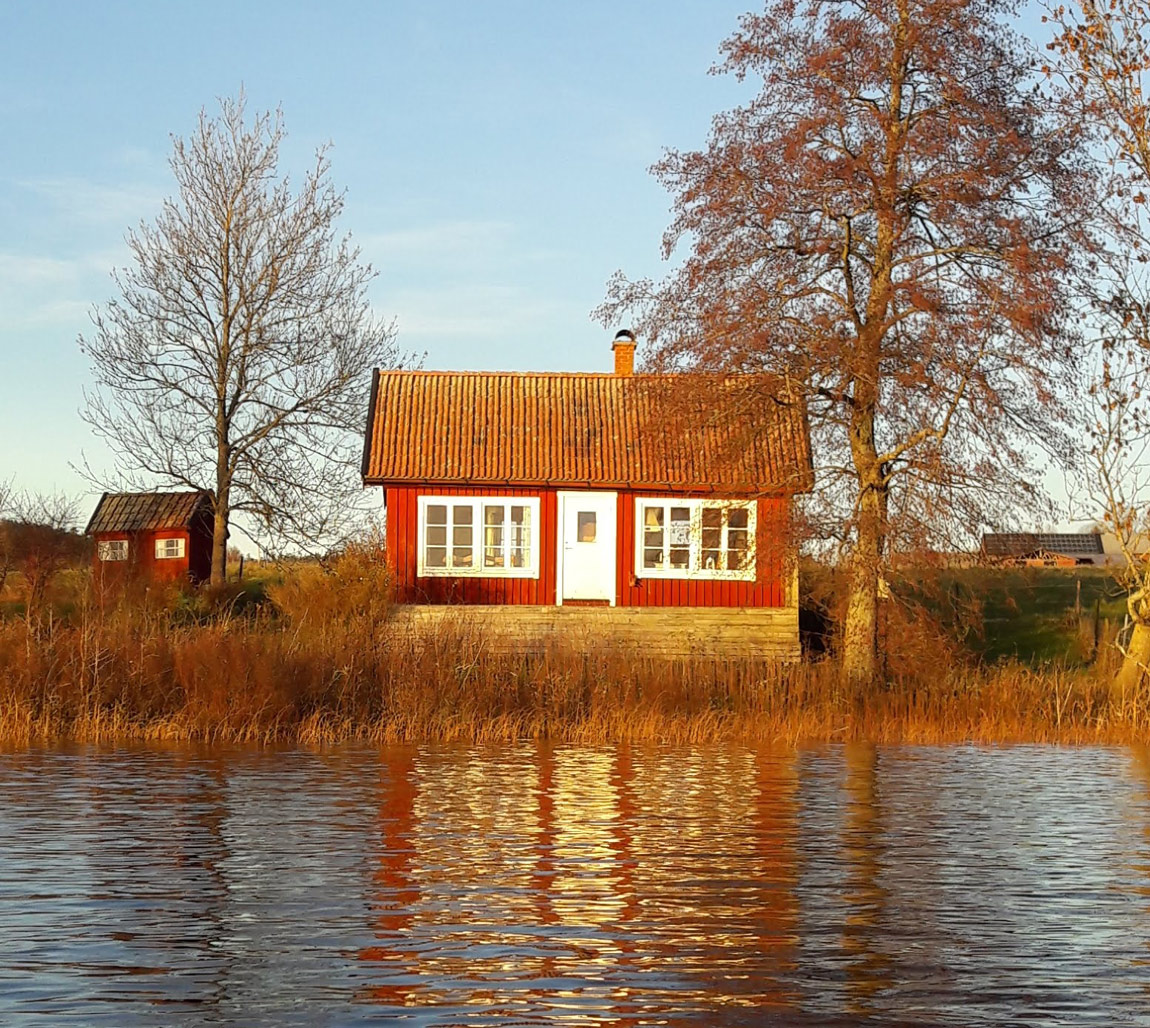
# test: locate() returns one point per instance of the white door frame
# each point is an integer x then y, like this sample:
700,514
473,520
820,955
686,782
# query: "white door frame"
561,520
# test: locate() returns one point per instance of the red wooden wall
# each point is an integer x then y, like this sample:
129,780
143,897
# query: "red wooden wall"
403,552
768,589
196,564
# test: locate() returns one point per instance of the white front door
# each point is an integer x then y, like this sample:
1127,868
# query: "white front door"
587,546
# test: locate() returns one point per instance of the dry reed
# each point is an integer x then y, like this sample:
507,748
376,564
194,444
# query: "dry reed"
133,673
323,664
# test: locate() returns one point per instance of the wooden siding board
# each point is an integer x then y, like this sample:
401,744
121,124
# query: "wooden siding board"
767,633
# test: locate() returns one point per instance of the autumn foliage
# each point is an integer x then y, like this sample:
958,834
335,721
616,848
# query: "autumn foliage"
890,222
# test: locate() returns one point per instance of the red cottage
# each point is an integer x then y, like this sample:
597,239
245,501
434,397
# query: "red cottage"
163,537
657,493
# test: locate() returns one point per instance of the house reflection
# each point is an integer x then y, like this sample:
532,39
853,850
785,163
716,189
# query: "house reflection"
396,893
569,880
775,838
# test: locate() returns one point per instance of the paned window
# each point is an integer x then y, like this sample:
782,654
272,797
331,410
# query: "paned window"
492,537
112,549
695,539
169,549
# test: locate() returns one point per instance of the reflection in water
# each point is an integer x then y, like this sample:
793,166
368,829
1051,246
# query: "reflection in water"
558,885
396,890
868,968
776,874
1140,865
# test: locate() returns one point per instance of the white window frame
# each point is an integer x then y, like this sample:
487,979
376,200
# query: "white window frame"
478,569
106,547
162,548
694,570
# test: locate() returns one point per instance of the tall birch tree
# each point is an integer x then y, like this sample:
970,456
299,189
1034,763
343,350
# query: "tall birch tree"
237,355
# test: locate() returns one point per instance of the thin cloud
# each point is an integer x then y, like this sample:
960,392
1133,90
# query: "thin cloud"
37,290
466,312
97,204
449,244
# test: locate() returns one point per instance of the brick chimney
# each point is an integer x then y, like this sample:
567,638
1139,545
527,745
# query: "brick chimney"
624,348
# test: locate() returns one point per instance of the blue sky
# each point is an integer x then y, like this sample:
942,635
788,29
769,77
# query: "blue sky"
495,158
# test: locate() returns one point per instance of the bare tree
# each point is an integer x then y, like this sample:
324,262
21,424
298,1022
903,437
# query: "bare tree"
889,224
1101,51
38,539
7,559
237,355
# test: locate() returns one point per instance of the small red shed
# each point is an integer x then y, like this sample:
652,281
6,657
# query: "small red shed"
616,490
163,537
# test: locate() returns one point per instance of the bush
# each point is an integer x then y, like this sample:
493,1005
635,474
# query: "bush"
351,587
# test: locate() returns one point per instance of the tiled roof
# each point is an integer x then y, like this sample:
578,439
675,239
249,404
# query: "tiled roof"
738,434
1018,544
140,512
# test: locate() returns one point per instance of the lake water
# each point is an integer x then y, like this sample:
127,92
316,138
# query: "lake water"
542,885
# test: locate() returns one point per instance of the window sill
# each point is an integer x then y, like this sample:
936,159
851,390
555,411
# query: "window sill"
476,573
685,574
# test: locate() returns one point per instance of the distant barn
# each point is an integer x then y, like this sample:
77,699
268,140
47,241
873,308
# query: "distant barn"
158,536
1042,549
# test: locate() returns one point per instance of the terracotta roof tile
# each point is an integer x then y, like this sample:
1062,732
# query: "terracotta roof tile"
142,512
739,434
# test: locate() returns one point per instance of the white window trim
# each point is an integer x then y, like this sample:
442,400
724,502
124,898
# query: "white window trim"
692,571
104,547
479,570
161,548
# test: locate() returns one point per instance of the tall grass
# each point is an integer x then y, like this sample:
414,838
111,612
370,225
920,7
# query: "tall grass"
265,679
321,663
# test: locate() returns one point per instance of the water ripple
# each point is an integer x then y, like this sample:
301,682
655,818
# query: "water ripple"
566,886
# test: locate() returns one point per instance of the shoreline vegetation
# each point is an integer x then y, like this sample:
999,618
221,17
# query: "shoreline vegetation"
316,662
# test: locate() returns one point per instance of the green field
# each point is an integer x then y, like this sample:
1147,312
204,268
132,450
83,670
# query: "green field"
1036,615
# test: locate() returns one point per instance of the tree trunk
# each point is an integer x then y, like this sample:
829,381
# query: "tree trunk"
861,663
220,540
223,506
1135,661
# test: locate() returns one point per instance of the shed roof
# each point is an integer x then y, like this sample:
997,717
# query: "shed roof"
1019,544
143,512
739,434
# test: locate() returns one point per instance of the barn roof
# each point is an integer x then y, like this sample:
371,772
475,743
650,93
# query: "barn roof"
740,434
1020,544
143,512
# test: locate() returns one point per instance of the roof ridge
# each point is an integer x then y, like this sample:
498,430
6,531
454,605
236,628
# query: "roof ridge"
517,374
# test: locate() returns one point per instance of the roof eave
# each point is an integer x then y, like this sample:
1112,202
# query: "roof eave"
369,433
776,489
92,519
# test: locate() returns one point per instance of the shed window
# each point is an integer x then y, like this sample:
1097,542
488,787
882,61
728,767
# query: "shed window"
169,549
112,549
488,536
695,539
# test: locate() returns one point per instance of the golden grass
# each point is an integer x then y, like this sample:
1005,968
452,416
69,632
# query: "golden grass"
322,664
133,673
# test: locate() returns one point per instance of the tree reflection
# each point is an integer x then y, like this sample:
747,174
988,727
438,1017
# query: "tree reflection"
868,969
